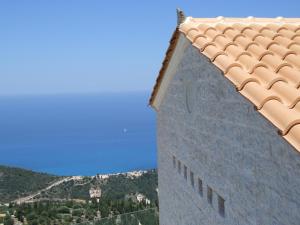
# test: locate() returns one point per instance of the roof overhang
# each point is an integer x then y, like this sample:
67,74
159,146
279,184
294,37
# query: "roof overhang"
174,54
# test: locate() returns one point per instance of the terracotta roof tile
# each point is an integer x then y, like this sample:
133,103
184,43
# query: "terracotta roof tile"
260,56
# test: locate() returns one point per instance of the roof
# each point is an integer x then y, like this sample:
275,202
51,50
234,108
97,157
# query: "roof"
260,56
173,41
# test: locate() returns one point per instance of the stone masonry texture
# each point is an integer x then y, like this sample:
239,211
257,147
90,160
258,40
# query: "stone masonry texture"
219,136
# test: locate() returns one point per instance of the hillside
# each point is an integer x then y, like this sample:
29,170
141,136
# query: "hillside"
53,200
113,187
16,182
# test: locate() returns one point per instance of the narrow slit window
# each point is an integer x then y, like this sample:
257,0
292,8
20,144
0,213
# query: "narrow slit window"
174,161
192,179
200,187
221,203
179,166
209,195
185,172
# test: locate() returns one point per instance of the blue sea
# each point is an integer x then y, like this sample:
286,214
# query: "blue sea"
78,134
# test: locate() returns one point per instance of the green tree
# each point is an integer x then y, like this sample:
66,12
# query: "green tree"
8,220
63,209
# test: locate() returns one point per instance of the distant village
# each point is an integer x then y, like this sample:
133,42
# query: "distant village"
69,207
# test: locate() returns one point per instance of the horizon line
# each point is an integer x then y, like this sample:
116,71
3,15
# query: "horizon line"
73,93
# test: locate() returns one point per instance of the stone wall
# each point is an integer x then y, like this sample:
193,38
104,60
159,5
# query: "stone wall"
217,134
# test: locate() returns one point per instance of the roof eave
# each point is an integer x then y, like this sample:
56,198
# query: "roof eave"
172,45
174,54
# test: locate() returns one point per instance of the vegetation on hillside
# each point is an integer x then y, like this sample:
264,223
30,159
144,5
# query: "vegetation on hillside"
72,212
115,187
143,217
70,202
15,182
119,186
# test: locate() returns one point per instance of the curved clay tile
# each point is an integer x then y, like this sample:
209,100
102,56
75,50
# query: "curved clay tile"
295,47
257,94
264,41
289,95
293,76
273,26
239,77
250,44
281,51
297,107
211,51
296,101
249,62
232,33
222,28
284,41
291,125
234,51
192,34
274,111
242,54
224,63
296,38
258,27
293,136
274,62
212,33
185,27
207,29
201,42
222,41
194,38
286,33
258,52
266,77
269,33
293,59
192,30
251,34
240,27
242,40
283,65
291,27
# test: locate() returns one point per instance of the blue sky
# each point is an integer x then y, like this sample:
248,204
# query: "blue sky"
64,46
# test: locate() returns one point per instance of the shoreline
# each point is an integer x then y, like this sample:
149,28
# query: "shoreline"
130,172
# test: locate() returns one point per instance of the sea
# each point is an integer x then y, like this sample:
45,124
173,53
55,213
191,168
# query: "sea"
78,134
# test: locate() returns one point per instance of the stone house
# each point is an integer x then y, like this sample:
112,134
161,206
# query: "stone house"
228,122
95,192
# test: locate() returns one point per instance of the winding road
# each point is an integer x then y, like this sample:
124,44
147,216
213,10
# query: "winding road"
32,196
